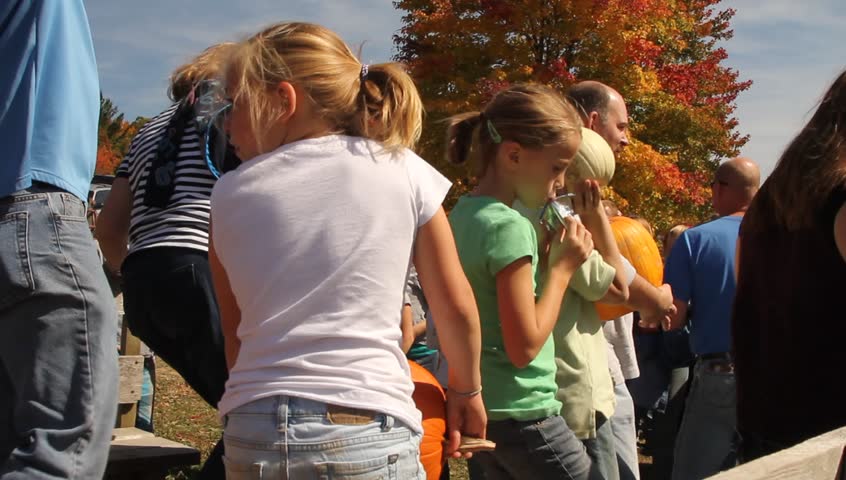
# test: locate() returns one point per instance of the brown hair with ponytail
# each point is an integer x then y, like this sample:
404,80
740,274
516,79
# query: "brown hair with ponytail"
532,115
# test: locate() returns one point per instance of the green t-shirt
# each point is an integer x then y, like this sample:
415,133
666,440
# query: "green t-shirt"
581,352
490,236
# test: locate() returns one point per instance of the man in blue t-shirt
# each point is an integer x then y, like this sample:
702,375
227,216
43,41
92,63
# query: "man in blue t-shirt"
58,365
700,269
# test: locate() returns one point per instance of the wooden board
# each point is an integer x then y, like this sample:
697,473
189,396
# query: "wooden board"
135,451
819,458
131,378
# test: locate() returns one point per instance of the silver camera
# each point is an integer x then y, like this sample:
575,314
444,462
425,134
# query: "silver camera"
556,210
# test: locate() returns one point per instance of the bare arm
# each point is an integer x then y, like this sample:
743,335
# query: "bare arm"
655,304
456,317
679,319
526,324
451,300
407,327
112,229
230,313
588,205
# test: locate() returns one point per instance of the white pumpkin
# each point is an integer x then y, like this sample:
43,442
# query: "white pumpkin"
594,160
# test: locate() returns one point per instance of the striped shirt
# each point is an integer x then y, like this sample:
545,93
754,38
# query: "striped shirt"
185,221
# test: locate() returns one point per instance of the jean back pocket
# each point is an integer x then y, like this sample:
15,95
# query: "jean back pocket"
16,277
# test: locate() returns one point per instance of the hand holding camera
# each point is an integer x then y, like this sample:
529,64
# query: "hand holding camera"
570,246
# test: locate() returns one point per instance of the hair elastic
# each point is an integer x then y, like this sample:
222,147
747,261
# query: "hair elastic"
365,69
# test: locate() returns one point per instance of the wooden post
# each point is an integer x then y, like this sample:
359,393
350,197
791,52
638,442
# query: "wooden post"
129,345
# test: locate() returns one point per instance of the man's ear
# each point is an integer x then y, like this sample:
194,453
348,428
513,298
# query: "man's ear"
286,96
592,119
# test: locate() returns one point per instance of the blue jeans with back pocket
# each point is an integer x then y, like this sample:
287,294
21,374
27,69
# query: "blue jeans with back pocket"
58,351
285,437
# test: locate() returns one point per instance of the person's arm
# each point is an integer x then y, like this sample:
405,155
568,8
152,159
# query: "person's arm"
678,319
407,327
840,231
456,317
230,313
678,273
655,304
526,324
588,204
112,228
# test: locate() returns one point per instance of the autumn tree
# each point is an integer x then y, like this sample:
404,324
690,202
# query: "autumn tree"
662,55
113,137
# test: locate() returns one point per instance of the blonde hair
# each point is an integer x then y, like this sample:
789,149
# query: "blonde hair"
380,102
206,65
532,115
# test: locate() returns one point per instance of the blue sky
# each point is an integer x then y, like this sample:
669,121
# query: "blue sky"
791,50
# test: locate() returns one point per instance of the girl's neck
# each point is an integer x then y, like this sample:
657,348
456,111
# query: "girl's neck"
491,186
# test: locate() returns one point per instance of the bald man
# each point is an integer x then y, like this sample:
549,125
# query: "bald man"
603,110
700,269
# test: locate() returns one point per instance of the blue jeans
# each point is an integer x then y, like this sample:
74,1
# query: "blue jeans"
625,434
535,449
706,440
279,438
602,449
58,352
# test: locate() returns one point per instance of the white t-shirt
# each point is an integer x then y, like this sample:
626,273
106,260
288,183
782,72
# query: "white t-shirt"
316,239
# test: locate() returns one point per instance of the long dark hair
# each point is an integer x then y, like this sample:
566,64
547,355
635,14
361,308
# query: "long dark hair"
811,168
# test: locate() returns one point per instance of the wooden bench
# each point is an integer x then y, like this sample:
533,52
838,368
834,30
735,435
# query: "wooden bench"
134,453
820,458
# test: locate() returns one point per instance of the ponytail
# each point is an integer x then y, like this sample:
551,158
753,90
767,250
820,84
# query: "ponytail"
378,102
389,107
462,134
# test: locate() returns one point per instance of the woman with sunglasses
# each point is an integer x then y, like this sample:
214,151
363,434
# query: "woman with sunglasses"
154,230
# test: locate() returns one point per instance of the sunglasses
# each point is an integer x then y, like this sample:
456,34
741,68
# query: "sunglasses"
556,210
211,108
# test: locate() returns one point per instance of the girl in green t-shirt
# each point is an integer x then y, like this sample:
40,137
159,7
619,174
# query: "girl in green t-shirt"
522,143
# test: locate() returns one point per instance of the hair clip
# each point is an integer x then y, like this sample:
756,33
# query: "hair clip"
495,136
365,69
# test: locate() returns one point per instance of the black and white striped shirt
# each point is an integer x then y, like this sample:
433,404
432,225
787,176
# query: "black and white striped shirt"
185,221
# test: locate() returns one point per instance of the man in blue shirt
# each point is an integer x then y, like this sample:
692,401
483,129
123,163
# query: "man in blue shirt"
58,365
700,269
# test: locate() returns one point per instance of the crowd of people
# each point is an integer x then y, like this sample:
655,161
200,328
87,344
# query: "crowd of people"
283,248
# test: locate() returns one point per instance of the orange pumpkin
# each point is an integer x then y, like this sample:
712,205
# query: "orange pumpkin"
639,248
431,401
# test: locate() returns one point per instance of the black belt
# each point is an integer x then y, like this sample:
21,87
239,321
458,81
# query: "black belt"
717,356
718,362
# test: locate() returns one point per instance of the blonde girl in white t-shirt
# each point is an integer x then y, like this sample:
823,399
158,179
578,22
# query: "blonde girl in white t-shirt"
312,237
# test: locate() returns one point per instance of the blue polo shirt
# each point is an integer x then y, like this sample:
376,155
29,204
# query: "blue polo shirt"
700,269
49,96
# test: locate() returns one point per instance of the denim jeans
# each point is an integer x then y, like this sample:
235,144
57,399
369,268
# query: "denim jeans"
281,437
535,449
58,352
625,434
706,440
602,449
169,303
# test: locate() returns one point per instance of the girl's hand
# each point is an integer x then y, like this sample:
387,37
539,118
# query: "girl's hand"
465,416
570,248
588,201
